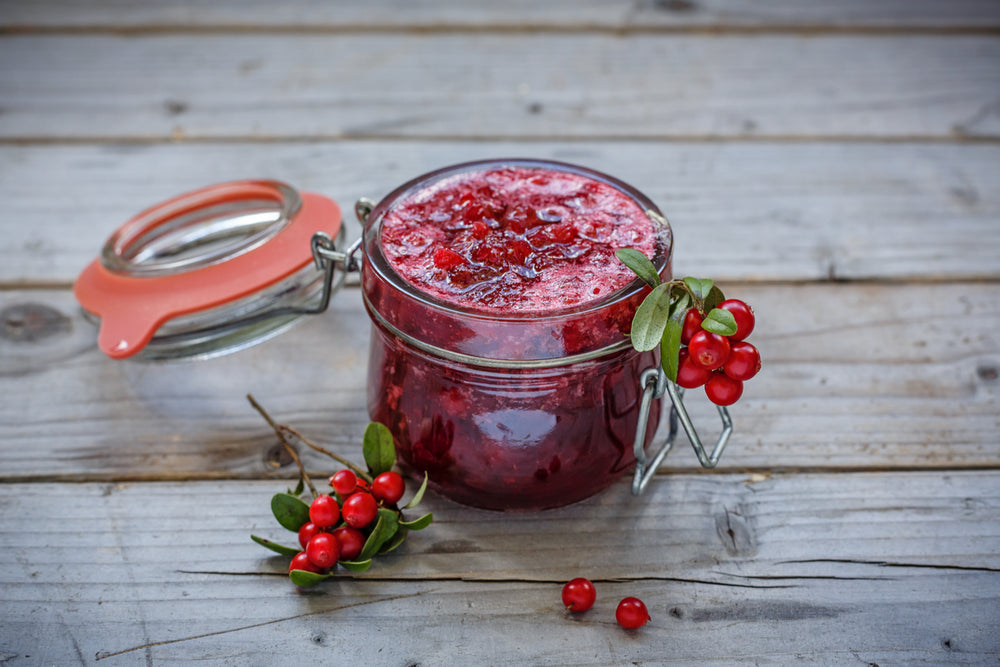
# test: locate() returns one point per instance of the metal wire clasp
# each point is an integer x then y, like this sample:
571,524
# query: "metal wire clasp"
654,385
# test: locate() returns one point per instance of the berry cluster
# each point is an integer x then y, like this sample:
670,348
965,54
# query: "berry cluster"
579,595
719,363
336,530
359,520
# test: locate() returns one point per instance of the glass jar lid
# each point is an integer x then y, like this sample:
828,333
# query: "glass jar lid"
209,271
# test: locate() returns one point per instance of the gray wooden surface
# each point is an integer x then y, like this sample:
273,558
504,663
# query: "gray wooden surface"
834,163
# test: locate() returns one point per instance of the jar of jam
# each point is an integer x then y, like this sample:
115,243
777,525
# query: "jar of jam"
499,356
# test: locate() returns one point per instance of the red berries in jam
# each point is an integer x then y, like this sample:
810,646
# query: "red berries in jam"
709,349
632,613
743,315
743,362
388,487
323,550
579,594
360,510
722,389
324,511
344,482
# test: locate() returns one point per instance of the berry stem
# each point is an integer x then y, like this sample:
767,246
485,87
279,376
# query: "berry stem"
322,450
284,441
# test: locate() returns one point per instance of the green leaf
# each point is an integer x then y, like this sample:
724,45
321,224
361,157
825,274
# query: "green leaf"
385,528
274,546
700,287
356,565
306,578
419,495
720,322
378,449
715,297
639,264
651,318
290,511
393,544
670,344
418,524
300,487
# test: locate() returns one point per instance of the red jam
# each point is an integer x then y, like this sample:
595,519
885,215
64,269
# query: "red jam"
499,358
516,240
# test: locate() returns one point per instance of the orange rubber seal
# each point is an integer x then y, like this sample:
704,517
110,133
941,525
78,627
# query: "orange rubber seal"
132,308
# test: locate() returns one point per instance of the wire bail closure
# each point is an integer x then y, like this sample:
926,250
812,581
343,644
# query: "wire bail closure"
655,385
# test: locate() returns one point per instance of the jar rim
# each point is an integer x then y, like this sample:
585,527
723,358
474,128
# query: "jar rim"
375,258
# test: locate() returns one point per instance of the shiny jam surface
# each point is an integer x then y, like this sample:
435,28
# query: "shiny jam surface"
516,239
525,256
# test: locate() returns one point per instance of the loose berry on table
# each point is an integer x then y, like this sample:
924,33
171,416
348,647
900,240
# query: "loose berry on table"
323,550
579,594
360,510
324,511
709,349
722,389
632,613
743,315
388,487
743,362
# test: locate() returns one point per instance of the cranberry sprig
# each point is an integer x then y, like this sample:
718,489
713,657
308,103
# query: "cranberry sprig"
359,519
700,333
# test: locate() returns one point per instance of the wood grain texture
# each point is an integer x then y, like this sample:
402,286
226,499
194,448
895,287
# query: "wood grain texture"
264,86
166,573
797,212
515,15
855,377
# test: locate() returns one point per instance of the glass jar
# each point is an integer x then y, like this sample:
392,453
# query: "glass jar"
507,411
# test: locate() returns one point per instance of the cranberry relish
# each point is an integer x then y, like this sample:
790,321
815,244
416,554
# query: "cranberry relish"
516,239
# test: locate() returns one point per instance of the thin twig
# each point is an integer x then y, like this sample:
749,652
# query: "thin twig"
322,450
288,447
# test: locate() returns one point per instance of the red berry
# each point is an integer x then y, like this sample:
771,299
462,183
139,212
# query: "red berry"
324,511
722,389
579,594
447,259
323,550
690,374
743,315
360,510
743,362
351,542
301,562
709,349
344,482
306,533
692,325
632,613
388,487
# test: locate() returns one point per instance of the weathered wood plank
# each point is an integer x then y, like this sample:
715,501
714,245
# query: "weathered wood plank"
885,568
855,376
491,86
519,14
788,211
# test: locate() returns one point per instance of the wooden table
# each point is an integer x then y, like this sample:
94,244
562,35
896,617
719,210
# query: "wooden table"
836,164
